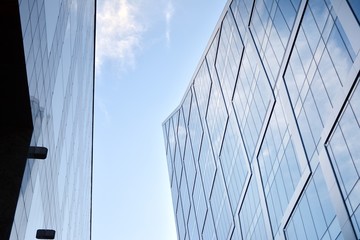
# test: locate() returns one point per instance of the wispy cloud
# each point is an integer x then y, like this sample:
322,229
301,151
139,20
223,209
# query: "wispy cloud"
102,108
169,12
119,32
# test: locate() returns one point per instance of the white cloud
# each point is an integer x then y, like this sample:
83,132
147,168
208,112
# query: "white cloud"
169,12
119,32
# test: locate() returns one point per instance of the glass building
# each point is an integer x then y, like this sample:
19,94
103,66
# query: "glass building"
265,142
47,93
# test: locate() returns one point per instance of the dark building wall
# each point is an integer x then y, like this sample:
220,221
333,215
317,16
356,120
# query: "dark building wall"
263,144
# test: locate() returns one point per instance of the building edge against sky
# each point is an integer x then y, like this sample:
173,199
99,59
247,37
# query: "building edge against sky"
47,68
264,144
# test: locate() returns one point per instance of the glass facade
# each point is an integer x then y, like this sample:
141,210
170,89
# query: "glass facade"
264,144
58,39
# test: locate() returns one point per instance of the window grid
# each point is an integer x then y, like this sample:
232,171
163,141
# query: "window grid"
229,56
251,216
271,31
314,216
252,99
317,69
234,163
235,115
276,155
345,156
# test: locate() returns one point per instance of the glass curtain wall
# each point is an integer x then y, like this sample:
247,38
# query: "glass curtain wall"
264,144
58,39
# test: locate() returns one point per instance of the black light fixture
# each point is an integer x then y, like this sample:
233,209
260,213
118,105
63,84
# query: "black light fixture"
37,152
45,234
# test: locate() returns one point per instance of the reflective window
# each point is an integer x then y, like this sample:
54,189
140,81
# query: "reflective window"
279,167
241,10
221,208
216,117
185,197
252,98
186,105
234,162
247,151
314,216
236,233
209,229
344,152
211,56
229,56
181,132
192,226
202,85
172,146
251,216
181,226
200,204
189,164
195,130
175,149
207,166
271,24
317,69
60,80
174,192
355,7
52,13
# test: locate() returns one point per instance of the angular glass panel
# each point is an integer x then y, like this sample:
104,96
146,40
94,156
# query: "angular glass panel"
344,154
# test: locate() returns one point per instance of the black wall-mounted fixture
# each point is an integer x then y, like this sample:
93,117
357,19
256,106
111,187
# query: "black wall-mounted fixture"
37,152
45,234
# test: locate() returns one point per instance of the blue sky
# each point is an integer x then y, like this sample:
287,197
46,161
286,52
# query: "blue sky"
146,54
